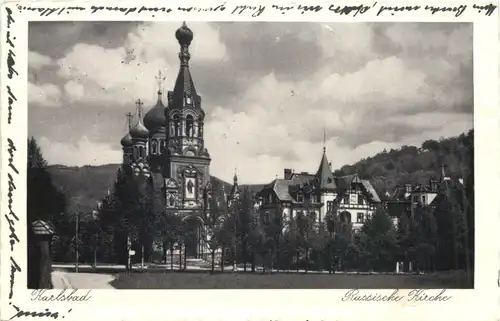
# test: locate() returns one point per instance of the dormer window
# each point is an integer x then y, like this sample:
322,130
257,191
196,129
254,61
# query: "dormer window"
345,199
361,200
300,198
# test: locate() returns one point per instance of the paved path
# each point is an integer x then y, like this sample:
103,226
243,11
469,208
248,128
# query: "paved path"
70,280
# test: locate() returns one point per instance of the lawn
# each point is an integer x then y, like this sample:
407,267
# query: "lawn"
228,280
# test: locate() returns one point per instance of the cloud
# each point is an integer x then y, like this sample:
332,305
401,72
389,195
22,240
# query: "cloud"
134,65
45,95
270,90
37,61
74,90
82,152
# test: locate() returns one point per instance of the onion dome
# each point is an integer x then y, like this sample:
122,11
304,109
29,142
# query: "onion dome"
155,117
139,131
126,140
184,35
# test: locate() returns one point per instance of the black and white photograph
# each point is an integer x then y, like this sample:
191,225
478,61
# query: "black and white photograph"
250,155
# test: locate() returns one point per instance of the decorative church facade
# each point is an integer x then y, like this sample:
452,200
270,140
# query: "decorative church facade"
166,150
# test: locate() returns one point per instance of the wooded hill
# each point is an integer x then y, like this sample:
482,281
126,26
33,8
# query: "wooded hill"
84,186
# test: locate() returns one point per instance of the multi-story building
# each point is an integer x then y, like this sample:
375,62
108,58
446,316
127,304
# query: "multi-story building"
318,194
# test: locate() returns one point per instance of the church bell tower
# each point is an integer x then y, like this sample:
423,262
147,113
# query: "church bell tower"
186,160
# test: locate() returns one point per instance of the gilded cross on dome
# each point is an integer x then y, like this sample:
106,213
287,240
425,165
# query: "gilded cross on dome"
160,78
139,104
129,119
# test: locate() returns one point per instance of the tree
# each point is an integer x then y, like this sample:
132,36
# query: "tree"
168,232
215,216
244,224
254,236
44,200
377,242
431,145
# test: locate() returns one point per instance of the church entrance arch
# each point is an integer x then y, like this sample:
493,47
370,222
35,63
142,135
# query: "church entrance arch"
193,236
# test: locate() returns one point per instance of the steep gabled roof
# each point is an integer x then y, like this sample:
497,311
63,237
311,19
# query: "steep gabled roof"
370,190
324,175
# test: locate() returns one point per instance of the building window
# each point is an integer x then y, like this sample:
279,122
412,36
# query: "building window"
360,218
346,199
361,200
177,125
270,199
415,199
423,200
313,199
189,126
266,217
329,206
154,147
300,198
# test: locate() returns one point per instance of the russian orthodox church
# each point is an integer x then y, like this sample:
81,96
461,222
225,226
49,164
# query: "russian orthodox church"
316,195
166,150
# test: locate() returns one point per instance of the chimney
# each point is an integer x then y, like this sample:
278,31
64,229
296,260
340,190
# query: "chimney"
288,174
408,188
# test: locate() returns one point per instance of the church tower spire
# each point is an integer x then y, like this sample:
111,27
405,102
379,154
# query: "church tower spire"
235,190
184,93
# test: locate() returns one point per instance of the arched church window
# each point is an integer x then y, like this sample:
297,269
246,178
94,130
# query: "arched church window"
177,125
189,126
187,97
171,200
135,153
154,147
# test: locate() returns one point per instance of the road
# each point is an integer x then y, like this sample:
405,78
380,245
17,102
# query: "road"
71,280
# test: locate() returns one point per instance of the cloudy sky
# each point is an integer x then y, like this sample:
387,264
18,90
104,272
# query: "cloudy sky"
269,89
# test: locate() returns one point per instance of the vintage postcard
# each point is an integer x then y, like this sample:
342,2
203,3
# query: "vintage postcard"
250,160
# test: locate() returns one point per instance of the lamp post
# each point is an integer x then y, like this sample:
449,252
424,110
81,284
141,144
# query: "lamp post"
76,239
96,238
